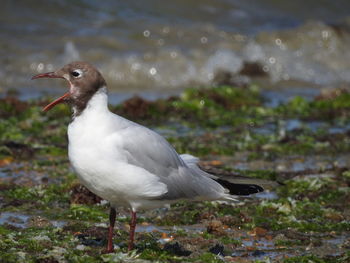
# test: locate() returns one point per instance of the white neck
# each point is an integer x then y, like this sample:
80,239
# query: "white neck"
98,102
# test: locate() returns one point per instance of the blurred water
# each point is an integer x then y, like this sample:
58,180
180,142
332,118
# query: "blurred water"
167,45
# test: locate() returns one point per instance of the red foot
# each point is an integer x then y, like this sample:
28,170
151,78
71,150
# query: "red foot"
132,231
107,251
112,216
130,247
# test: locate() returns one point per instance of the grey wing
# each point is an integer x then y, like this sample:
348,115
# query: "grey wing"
147,149
150,151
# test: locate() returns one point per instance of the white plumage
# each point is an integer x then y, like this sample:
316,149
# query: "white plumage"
131,165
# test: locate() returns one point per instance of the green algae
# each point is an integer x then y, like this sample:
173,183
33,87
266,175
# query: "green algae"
260,174
209,258
225,240
241,111
298,215
327,109
84,212
227,121
313,259
43,194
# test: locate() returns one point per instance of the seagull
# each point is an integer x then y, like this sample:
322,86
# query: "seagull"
126,163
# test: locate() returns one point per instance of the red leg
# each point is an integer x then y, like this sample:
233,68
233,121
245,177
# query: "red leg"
132,230
112,215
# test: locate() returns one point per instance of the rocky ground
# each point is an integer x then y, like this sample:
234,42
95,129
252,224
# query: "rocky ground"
303,146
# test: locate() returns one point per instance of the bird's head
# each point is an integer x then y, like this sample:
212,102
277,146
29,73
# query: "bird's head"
83,79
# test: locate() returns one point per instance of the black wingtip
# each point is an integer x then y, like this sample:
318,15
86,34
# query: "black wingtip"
240,189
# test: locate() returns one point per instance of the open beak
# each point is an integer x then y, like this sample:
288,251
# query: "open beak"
56,101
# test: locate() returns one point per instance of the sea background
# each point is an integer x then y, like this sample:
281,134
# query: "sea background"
157,48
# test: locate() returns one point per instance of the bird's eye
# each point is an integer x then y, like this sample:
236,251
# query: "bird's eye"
77,73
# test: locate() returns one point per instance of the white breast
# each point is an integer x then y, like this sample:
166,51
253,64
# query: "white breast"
97,155
93,148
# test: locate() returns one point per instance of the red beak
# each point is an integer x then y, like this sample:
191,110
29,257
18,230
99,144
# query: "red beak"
56,101
47,75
